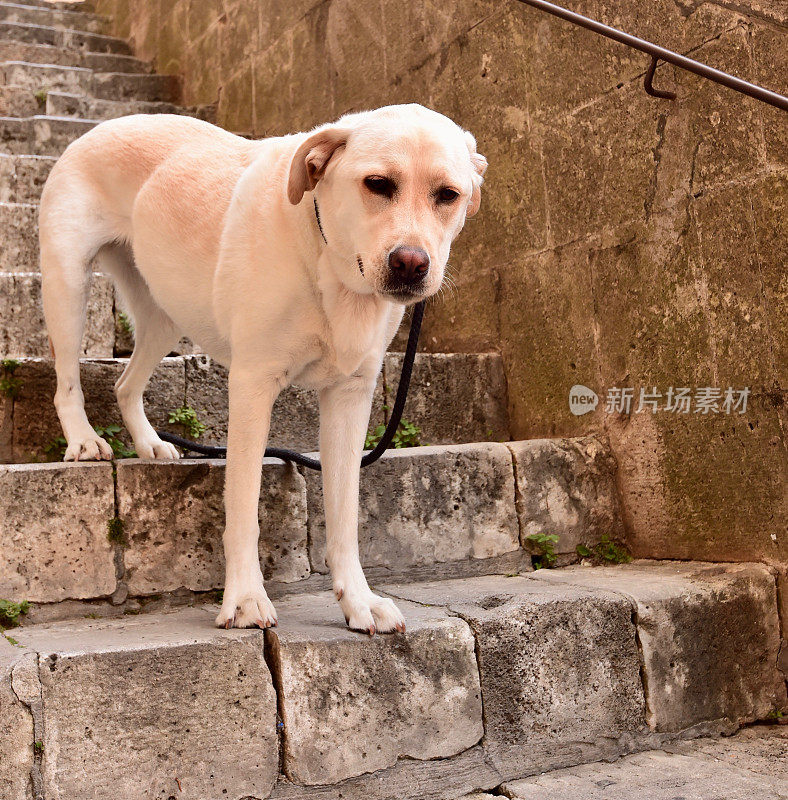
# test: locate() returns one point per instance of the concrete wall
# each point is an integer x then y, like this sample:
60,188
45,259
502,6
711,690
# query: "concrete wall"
623,241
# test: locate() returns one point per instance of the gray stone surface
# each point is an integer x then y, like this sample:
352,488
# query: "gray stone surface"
566,487
43,77
559,668
19,245
62,104
158,705
22,327
295,422
455,397
120,86
53,531
18,102
35,420
22,177
352,704
173,515
41,135
709,635
426,505
750,766
68,57
71,20
16,730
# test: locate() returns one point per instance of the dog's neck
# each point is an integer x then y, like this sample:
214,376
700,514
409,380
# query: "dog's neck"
357,323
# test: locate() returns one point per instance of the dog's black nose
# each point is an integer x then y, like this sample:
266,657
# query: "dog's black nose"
408,265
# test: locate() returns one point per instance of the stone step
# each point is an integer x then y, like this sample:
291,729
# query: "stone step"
69,57
60,5
752,764
53,17
19,243
61,104
22,328
103,85
39,135
22,178
473,387
496,679
17,101
57,37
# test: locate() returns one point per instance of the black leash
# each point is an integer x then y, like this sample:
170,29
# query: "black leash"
372,456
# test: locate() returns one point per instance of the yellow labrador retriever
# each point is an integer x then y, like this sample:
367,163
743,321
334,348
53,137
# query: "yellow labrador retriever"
210,235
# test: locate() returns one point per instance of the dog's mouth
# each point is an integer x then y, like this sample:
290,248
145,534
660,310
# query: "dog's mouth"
402,294
360,265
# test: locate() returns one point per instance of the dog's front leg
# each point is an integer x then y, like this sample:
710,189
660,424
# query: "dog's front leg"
344,416
252,392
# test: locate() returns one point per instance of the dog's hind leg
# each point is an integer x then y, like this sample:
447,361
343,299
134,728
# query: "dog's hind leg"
155,335
66,254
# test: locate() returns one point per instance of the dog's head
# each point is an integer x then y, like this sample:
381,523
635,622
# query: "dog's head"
394,187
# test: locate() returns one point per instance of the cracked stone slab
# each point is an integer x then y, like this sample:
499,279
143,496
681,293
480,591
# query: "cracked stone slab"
733,769
428,505
16,728
53,531
709,635
566,487
560,672
173,514
155,705
352,704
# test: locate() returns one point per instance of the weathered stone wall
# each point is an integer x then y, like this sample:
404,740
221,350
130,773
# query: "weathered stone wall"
624,241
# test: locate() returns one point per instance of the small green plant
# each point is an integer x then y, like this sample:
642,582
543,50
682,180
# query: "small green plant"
41,96
57,447
544,546
407,435
605,551
11,611
11,640
186,417
9,384
116,532
38,746
774,716
125,323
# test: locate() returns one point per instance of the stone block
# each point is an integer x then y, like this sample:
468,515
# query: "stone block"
353,704
63,20
45,77
173,514
155,706
122,86
566,488
22,177
53,531
453,397
23,330
560,672
295,422
428,505
709,636
19,223
16,730
35,420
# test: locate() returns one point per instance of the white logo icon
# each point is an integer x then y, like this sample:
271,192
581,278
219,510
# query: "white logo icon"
582,399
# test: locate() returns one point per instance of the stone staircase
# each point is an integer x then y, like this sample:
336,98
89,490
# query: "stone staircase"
117,684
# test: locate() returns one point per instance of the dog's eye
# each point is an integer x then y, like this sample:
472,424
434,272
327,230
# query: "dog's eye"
446,195
385,187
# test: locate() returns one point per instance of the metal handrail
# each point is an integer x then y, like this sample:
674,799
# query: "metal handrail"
658,53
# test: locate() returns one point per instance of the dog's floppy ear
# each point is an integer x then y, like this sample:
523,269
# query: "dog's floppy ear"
311,159
480,166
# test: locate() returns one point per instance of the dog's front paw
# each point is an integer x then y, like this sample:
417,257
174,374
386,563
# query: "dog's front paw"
365,611
154,447
90,447
246,606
